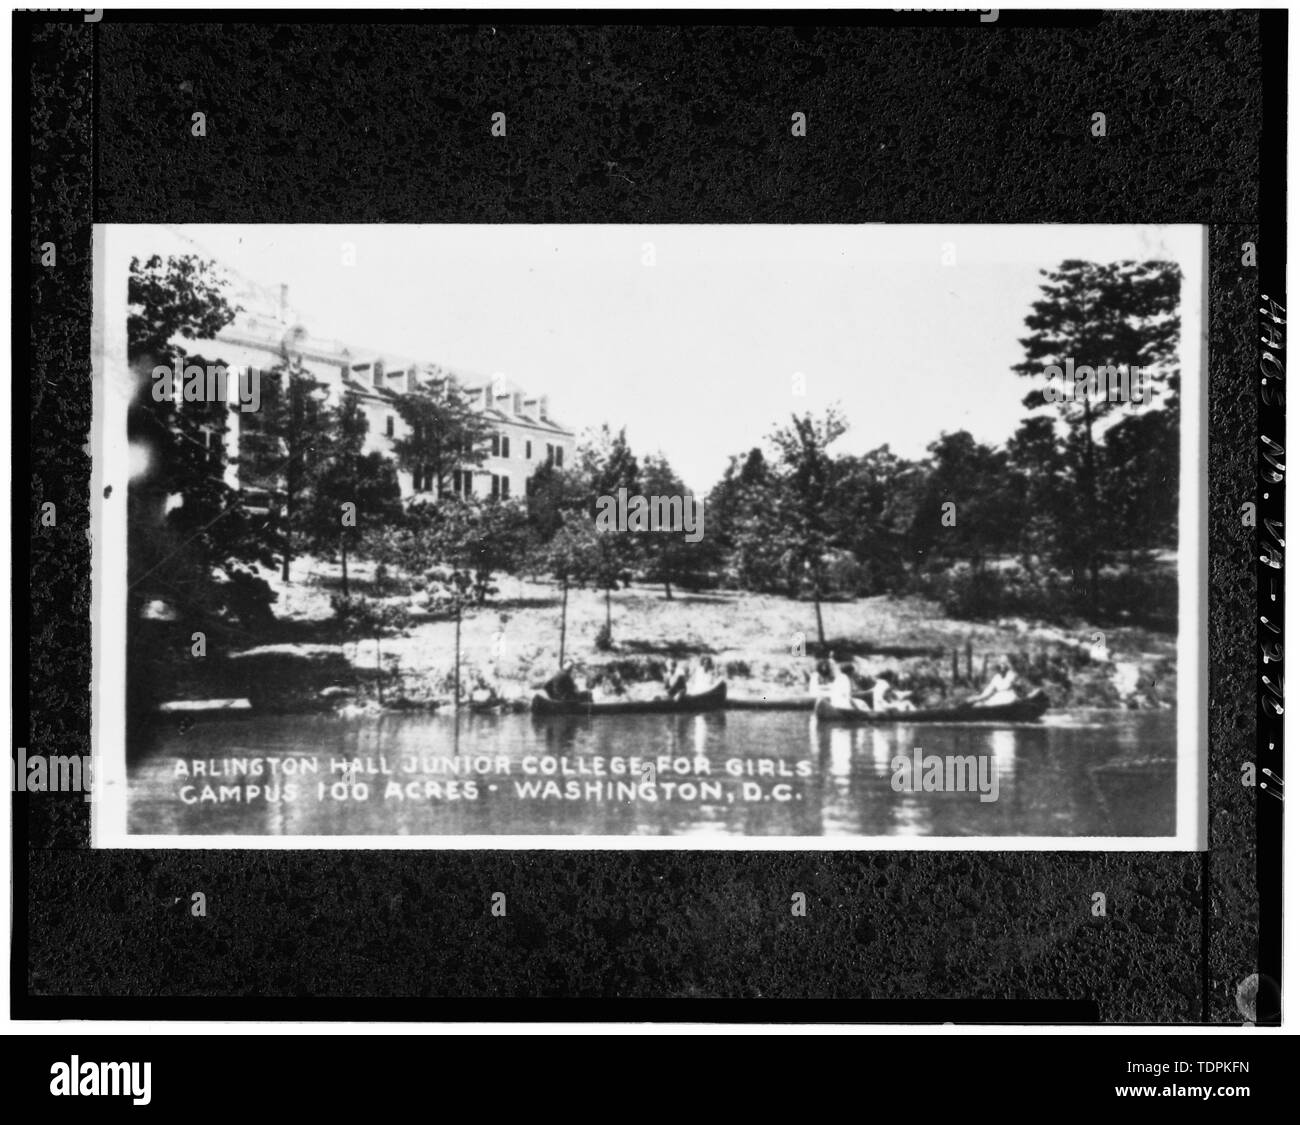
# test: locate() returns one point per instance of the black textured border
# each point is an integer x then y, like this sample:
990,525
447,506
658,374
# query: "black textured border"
912,119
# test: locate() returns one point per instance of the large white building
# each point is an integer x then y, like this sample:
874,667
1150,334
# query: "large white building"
524,435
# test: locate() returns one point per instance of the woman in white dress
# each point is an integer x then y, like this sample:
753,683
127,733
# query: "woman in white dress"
820,680
841,693
703,678
1001,689
885,697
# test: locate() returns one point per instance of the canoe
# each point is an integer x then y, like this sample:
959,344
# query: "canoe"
177,705
1027,710
491,706
787,703
713,700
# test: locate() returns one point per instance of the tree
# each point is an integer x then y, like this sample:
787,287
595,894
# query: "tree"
669,556
445,433
605,464
739,506
351,491
1045,504
181,296
1139,459
477,537
610,557
176,549
1099,315
881,498
492,540
552,491
805,520
453,549
566,556
972,478
287,444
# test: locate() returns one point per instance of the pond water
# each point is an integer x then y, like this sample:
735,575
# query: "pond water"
734,774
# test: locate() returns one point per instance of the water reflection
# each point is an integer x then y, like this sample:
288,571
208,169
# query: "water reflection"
726,774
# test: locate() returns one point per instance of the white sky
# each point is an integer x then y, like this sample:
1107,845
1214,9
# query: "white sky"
695,354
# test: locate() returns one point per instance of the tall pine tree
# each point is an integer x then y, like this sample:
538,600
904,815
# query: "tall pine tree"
1098,315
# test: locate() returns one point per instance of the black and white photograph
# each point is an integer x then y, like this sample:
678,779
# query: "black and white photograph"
620,522
569,536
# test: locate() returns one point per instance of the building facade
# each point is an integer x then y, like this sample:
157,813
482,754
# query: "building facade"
524,435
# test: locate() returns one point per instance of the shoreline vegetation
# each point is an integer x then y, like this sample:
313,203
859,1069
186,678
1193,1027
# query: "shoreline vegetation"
307,661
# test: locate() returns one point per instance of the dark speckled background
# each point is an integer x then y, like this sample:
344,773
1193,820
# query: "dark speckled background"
326,123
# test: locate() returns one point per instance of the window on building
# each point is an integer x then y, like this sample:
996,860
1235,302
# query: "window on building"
496,445
559,456
505,488
550,453
528,450
388,429
496,487
505,446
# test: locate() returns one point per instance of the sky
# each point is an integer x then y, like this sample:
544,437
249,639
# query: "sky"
693,336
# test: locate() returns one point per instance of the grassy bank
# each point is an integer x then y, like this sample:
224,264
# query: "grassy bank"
513,643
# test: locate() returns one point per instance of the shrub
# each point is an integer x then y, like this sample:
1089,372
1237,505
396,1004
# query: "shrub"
369,617
1130,595
247,598
846,576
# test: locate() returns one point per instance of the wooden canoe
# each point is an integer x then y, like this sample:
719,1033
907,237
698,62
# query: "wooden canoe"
492,706
712,700
786,703
1027,710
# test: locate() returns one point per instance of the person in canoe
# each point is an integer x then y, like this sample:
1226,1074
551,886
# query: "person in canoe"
842,688
704,678
482,691
1001,689
563,688
677,680
821,679
886,697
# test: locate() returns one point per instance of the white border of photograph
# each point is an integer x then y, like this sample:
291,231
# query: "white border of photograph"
113,246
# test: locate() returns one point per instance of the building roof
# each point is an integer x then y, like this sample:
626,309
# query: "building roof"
268,333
